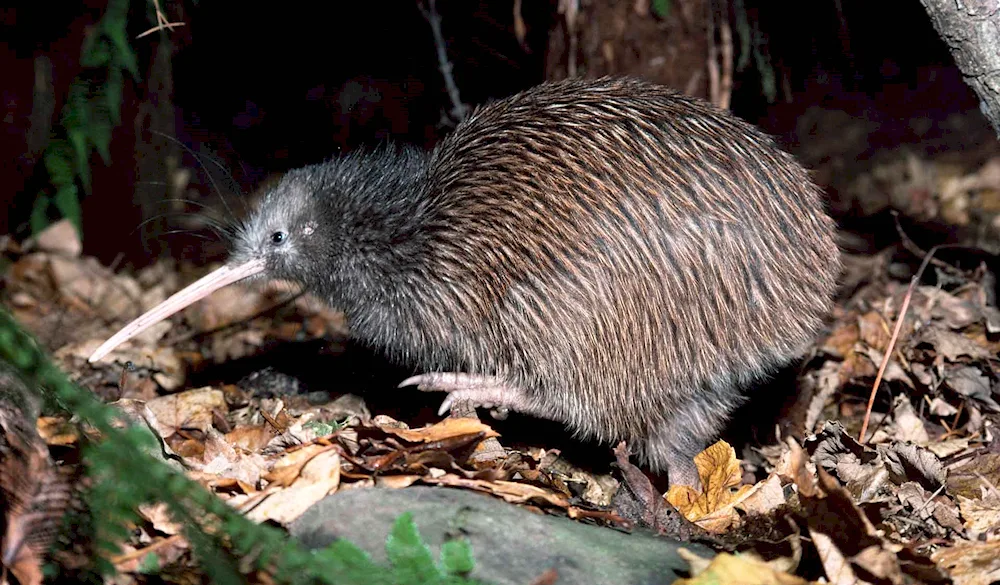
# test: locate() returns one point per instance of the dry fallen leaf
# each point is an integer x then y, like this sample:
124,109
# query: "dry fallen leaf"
250,437
970,563
908,425
158,515
224,460
57,431
510,491
191,409
446,429
982,516
764,497
835,564
60,238
979,473
728,569
315,478
713,507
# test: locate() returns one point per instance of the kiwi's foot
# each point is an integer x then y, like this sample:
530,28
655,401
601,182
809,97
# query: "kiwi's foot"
475,390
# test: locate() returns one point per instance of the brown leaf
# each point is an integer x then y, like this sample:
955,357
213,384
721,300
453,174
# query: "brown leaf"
907,462
928,509
972,383
287,469
795,467
637,501
952,346
950,310
396,481
60,238
513,492
893,371
186,410
224,461
764,497
982,516
874,331
835,564
841,342
970,563
978,474
909,426
447,428
317,476
824,384
877,561
250,437
57,431
158,515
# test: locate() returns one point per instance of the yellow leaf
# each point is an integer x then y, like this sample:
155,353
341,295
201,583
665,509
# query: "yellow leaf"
727,569
719,470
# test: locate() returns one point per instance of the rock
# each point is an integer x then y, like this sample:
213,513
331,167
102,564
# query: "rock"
511,545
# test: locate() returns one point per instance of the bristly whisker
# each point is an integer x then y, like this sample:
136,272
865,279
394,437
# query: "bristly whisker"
200,159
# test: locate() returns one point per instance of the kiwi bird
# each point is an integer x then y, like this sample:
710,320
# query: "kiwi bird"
607,253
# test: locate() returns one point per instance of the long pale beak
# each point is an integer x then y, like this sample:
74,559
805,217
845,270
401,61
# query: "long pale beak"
194,292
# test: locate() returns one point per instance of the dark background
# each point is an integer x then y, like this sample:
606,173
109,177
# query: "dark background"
264,89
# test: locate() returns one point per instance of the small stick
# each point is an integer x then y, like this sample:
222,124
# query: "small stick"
892,340
458,108
161,22
726,39
917,251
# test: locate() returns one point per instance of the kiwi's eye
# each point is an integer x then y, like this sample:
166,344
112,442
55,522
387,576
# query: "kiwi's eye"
278,238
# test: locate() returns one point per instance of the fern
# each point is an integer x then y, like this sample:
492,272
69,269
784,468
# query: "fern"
91,111
124,475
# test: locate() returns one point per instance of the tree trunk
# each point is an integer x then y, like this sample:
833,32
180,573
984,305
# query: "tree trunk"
971,28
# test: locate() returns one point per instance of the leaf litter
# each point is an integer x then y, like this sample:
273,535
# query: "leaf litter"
917,502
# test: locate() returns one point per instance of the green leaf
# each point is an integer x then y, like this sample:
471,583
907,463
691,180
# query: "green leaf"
113,94
68,202
96,51
347,557
81,155
58,163
661,8
114,28
40,213
100,137
410,557
456,557
75,112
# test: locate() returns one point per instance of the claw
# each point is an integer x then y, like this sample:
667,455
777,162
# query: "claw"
478,391
446,404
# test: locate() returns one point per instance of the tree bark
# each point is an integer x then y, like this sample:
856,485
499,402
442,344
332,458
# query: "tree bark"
971,28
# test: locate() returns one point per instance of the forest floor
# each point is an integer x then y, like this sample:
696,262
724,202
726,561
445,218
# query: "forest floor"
260,393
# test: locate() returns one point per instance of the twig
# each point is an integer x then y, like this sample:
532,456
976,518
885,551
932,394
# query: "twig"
726,39
930,499
458,108
161,22
892,340
141,552
570,9
914,249
713,63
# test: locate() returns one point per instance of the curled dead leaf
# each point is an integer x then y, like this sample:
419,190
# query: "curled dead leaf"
712,508
446,429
